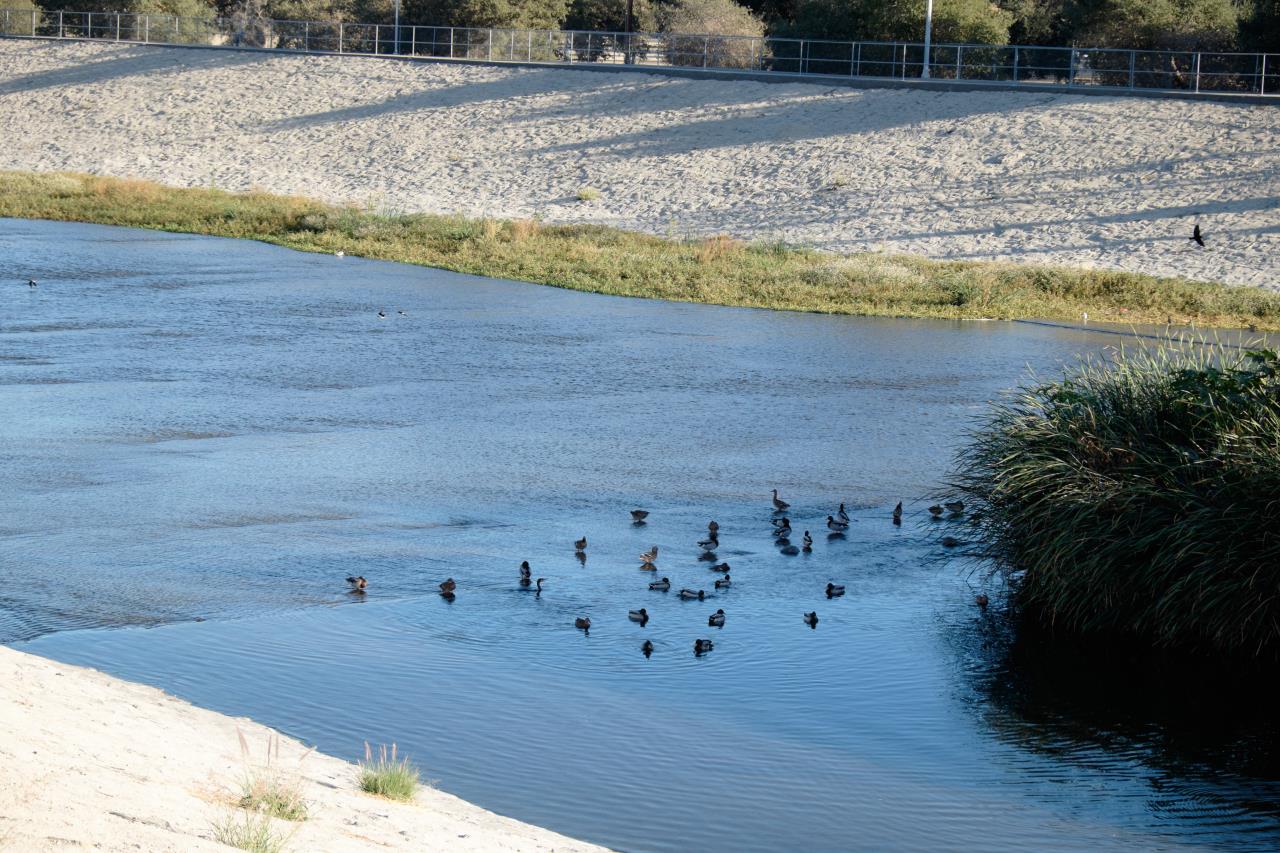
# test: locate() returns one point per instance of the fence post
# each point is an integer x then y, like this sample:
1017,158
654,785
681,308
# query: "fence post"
1015,65
339,36
451,42
88,27
959,55
377,31
1133,73
1262,84
705,45
1071,72
146,29
1197,73
61,33
529,46
306,36
489,50
118,39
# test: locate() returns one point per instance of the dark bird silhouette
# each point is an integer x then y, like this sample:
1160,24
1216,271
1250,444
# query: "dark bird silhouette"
447,588
811,619
358,584
724,582
897,513
641,616
981,600
1196,237
716,620
382,314
525,571
720,567
701,647
538,593
581,544
779,505
647,648
639,515
662,585
834,590
401,313
31,282
808,542
583,623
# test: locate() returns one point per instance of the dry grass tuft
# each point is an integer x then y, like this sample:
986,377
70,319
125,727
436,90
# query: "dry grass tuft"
270,789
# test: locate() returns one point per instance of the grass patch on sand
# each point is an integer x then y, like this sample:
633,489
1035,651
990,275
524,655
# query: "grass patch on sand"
716,270
268,788
250,831
1140,497
388,775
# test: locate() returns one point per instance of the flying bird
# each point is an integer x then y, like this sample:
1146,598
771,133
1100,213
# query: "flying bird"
1196,237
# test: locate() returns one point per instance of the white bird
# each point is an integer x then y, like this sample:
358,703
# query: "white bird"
339,254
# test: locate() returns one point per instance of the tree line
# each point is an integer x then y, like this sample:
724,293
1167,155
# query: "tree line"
1215,25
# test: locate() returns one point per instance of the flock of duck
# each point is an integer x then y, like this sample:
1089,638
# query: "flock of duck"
837,524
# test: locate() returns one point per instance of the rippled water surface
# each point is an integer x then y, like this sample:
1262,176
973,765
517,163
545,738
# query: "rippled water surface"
198,429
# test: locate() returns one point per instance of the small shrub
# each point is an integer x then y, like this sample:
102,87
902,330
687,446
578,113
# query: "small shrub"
588,194
524,229
713,34
268,789
388,775
250,831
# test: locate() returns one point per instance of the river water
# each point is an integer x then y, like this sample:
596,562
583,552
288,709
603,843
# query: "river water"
202,438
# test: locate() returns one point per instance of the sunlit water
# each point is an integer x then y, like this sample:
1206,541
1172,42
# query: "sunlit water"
196,429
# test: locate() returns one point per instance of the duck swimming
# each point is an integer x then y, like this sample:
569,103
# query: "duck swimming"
641,616
709,545
897,513
639,515
720,567
783,530
981,600
837,526
580,545
650,555
935,511
539,589
841,514
358,584
716,620
811,619
448,586
647,648
525,570
724,582
808,543
834,590
583,623
779,505
661,586
701,647
689,594
955,506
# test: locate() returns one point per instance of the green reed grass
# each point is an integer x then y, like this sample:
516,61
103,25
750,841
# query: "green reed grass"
388,775
250,831
715,270
1141,497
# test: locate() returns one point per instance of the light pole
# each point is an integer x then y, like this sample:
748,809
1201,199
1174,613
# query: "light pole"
928,36
398,26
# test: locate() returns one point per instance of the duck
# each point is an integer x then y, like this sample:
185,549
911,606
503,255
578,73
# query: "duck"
662,585
647,648
716,620
981,600
701,647
950,542
641,616
709,545
689,594
779,522
811,619
779,505
841,513
382,314
837,526
720,567
935,511
538,592
897,513
401,312
339,254
358,584
31,282
788,549
724,582
639,515
448,587
525,571
713,529
580,545
650,555
834,590
583,623
782,530
808,543
954,506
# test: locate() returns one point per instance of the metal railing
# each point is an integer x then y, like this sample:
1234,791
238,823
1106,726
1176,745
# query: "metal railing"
1183,72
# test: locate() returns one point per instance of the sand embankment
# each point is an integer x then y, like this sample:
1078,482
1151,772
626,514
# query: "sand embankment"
91,762
1029,177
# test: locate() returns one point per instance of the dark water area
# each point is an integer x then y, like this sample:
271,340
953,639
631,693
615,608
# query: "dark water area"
201,429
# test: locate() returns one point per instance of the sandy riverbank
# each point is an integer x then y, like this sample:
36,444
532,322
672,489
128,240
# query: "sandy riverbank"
1030,177
91,762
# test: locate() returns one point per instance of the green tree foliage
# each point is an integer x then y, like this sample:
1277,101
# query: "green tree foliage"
18,22
973,21
1260,27
522,14
611,15
1156,24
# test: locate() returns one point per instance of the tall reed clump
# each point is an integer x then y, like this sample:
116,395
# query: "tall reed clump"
387,774
1140,497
